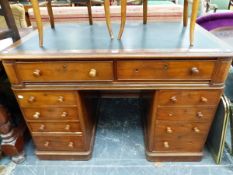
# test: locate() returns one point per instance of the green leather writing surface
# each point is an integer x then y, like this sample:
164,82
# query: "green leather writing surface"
156,37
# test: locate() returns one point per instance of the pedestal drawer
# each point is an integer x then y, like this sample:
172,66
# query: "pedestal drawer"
59,114
185,113
181,130
46,98
188,97
170,145
65,71
165,70
59,143
55,127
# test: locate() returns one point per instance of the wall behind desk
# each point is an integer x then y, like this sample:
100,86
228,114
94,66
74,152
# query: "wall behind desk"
79,14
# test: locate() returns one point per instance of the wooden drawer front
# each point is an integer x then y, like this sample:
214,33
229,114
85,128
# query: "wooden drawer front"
185,113
59,143
43,98
188,97
170,145
181,130
65,71
165,70
55,127
51,113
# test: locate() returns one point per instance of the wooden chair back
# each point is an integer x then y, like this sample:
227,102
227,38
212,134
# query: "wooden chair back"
12,30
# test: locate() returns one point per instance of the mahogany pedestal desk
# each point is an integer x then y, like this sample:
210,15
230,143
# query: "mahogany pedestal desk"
57,86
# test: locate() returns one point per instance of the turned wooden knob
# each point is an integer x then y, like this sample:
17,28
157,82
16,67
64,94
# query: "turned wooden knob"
92,73
61,99
203,99
195,70
173,99
169,130
46,144
166,144
36,115
170,115
37,73
31,99
64,114
42,127
71,144
199,114
196,129
67,127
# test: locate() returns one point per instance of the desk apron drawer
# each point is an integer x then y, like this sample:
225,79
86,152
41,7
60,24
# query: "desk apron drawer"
65,71
165,70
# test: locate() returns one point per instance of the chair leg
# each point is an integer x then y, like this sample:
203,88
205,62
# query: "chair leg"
50,12
27,19
145,5
108,17
123,17
36,10
89,12
193,20
185,13
10,21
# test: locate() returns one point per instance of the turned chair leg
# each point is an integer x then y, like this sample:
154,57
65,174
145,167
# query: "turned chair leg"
185,13
193,20
123,17
50,13
36,10
145,4
108,17
89,12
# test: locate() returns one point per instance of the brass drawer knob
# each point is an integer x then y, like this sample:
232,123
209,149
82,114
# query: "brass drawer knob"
169,130
31,99
195,70
60,99
64,114
170,115
67,127
92,73
37,73
166,144
203,99
199,114
173,99
46,144
71,144
36,115
196,129
42,127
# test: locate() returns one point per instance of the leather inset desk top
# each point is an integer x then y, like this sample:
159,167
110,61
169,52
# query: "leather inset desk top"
157,39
